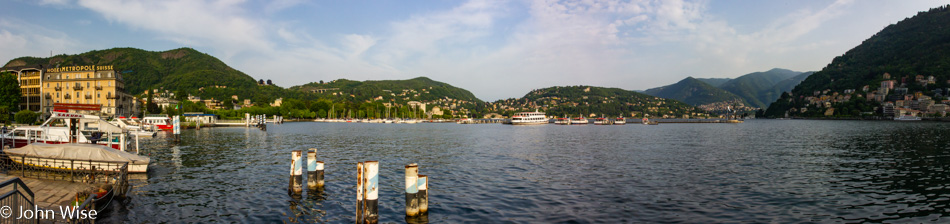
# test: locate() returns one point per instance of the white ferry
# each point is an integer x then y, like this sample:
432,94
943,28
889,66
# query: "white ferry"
563,121
62,128
907,118
528,118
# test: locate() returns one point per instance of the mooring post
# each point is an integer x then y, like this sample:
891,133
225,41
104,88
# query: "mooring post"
320,180
176,128
412,190
312,169
359,193
371,175
122,142
296,172
423,194
137,144
247,119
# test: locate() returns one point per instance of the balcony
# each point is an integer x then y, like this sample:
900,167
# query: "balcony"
88,96
77,87
67,97
58,88
110,96
98,87
49,96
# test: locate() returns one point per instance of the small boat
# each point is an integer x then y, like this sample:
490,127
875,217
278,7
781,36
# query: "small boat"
563,121
96,155
465,121
602,121
649,122
159,121
907,118
620,121
579,120
133,129
63,128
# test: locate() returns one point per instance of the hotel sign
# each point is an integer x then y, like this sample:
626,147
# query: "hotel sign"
80,68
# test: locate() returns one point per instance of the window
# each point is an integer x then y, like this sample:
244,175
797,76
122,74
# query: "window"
67,76
99,75
87,84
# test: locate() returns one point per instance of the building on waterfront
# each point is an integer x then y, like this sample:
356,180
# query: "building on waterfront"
29,79
89,85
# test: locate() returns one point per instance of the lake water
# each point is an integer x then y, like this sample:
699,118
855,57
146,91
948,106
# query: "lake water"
760,171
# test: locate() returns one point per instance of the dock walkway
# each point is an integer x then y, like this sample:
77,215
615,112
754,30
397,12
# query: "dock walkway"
49,194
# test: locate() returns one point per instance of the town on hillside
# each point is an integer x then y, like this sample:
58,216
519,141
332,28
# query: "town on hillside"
908,95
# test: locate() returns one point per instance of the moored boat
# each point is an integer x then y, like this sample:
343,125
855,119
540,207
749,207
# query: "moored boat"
159,121
579,120
43,155
63,128
620,121
528,118
563,121
906,117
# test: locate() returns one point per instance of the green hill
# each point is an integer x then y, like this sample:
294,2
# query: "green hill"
692,91
757,88
400,91
184,69
715,81
576,100
919,45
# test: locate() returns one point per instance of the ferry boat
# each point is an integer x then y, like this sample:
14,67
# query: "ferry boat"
159,121
580,120
620,121
528,118
43,155
602,121
62,128
648,122
563,121
134,128
907,118
465,121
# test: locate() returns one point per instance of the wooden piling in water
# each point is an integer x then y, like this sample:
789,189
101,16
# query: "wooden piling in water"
423,195
296,172
312,169
359,193
371,183
412,190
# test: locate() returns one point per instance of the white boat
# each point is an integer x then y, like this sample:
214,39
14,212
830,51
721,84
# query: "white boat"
907,118
563,121
465,121
620,121
580,120
63,128
602,121
49,155
135,130
528,118
159,121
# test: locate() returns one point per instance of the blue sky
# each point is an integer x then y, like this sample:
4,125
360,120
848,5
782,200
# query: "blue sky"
496,49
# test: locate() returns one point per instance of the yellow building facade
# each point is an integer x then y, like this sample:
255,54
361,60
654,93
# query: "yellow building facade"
30,90
89,85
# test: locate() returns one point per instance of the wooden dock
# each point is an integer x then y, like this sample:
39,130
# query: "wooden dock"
50,194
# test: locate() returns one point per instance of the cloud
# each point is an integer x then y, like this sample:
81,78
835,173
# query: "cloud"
221,24
20,38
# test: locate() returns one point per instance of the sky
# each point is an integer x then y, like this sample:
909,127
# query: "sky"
495,49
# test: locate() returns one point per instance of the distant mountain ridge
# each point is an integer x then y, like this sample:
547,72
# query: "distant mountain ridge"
756,89
693,91
576,101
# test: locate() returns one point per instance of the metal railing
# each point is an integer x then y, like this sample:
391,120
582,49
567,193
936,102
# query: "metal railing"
85,171
19,197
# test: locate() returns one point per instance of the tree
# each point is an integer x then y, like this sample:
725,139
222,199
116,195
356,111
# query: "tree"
269,83
26,117
9,91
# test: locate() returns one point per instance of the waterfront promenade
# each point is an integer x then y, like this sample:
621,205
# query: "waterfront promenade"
49,194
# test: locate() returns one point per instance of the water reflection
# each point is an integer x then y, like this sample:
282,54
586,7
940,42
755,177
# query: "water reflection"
759,171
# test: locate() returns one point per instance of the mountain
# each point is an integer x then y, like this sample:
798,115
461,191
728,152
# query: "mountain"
692,91
715,81
757,88
417,89
577,100
183,69
919,45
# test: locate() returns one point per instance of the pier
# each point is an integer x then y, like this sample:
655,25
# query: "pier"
50,194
